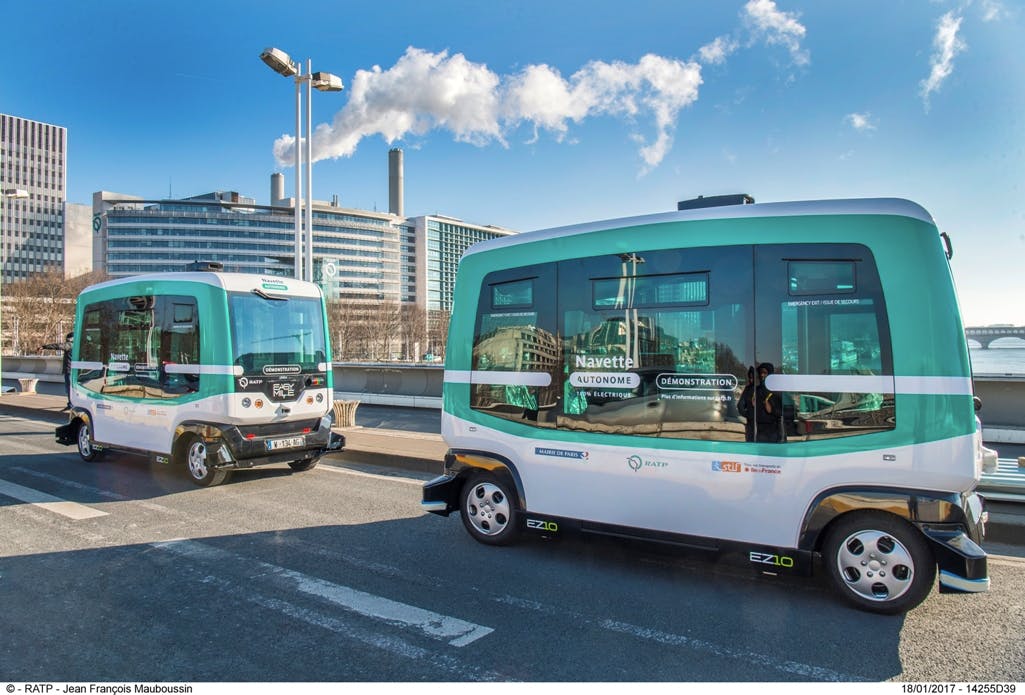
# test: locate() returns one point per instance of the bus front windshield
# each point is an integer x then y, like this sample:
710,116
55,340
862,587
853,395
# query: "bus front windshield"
277,331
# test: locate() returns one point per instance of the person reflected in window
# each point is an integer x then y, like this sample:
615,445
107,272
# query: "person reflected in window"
65,347
762,408
745,407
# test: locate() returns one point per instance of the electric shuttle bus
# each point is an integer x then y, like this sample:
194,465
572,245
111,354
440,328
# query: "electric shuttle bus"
785,383
208,369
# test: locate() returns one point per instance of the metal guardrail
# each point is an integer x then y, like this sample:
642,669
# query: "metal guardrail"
1005,484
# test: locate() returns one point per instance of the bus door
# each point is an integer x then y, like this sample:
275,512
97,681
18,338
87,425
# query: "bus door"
654,344
821,322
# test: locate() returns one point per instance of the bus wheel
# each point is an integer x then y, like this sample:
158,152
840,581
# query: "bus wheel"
202,473
86,450
304,465
879,562
488,509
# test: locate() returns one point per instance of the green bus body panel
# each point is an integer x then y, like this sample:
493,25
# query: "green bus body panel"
327,349
214,331
927,335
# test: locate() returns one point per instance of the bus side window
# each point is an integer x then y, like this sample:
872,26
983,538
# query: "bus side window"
515,351
179,346
824,320
92,347
653,342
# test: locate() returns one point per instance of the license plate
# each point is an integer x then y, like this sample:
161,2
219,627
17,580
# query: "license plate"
286,443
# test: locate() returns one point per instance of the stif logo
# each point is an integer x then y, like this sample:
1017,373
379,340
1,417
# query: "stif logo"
727,466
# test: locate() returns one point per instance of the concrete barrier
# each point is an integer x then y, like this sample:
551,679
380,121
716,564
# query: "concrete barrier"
41,367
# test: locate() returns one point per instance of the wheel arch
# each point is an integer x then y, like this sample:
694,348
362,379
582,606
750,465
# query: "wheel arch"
919,507
463,463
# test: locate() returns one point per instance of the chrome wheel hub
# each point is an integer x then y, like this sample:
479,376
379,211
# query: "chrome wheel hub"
197,460
488,508
875,565
85,446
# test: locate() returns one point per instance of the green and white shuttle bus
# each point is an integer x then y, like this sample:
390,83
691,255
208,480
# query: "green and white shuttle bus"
602,378
212,370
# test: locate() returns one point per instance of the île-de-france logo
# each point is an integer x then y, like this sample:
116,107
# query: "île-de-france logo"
637,463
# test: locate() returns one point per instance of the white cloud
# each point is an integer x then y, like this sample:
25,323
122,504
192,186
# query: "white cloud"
425,91
992,10
860,121
777,27
946,45
716,52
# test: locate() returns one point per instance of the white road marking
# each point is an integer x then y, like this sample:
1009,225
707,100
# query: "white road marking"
72,510
784,665
378,476
456,632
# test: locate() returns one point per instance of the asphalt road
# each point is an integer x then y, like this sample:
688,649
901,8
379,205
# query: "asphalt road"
120,570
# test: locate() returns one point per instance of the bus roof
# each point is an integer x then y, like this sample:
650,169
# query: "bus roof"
854,206
241,282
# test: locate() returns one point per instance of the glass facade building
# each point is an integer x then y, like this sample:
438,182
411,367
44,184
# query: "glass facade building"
440,243
358,255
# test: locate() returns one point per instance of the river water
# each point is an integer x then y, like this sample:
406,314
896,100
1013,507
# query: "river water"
998,360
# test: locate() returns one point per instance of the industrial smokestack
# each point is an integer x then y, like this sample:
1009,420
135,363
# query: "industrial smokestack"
395,182
277,188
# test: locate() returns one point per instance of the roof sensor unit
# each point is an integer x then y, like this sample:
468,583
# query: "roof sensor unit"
714,201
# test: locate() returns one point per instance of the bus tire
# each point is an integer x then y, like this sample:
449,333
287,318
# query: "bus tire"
303,465
879,562
86,448
488,508
193,453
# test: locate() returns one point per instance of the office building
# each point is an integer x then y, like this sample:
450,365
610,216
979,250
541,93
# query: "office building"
33,158
439,244
358,255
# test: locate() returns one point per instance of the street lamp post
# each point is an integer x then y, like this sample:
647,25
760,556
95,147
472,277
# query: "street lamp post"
281,63
13,193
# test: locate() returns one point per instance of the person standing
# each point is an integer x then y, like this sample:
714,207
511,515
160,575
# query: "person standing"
65,363
762,408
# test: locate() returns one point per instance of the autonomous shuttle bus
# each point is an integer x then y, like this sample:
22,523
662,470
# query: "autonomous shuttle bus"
785,383
208,369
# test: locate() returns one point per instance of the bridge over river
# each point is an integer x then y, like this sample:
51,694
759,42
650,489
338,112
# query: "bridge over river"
984,335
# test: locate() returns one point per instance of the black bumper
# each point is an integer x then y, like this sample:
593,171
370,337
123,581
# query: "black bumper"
440,495
233,450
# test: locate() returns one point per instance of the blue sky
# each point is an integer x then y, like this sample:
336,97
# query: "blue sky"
534,114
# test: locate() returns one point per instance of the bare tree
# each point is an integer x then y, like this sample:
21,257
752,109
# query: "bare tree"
437,332
414,332
377,331
41,309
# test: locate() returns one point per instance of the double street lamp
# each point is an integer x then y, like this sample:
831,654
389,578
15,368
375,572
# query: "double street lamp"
281,63
14,193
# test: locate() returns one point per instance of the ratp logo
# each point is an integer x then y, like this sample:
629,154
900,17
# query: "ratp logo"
636,463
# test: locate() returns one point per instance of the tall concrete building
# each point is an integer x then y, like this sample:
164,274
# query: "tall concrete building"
33,158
